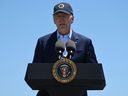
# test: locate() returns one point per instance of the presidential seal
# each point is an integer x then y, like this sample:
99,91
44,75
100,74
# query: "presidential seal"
64,70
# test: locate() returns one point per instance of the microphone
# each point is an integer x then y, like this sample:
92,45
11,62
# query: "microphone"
60,46
71,48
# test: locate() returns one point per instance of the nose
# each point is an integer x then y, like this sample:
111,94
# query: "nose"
61,20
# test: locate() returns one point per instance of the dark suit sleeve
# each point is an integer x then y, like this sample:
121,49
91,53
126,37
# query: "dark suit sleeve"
38,55
90,53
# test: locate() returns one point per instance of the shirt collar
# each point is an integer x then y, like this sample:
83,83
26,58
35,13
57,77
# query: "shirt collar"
69,34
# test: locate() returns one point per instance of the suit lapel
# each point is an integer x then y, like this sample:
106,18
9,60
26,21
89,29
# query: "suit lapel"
50,48
75,38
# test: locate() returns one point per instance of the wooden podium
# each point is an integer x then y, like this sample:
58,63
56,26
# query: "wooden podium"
89,77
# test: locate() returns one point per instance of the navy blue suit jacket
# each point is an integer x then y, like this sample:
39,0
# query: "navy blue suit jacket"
45,52
45,49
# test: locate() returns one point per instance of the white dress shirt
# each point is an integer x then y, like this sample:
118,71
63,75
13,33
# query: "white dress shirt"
65,39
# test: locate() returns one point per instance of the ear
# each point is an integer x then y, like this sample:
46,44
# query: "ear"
72,18
54,19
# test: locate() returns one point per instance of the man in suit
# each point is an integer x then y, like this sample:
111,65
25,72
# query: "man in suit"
45,49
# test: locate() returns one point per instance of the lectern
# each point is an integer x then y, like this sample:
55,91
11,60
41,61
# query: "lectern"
88,77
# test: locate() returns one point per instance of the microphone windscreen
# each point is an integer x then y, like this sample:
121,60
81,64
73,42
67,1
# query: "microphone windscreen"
60,46
70,45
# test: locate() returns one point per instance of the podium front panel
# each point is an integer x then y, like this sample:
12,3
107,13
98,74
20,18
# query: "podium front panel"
89,77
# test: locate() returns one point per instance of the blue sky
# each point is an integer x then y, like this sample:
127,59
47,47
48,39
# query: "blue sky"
22,22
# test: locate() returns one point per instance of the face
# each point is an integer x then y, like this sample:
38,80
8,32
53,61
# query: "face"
63,22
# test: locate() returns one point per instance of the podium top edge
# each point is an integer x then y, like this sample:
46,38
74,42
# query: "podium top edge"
75,63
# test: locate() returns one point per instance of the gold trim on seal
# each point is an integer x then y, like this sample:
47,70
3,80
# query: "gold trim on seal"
64,70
